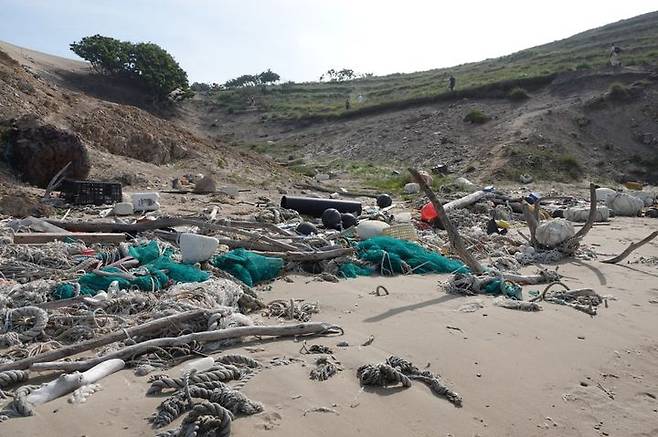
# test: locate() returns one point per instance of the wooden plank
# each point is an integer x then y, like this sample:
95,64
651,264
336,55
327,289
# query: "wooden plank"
87,237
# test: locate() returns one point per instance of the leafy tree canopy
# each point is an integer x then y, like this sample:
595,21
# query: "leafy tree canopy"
248,80
146,63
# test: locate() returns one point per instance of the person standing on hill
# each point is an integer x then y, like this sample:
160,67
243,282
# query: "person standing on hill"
614,56
451,83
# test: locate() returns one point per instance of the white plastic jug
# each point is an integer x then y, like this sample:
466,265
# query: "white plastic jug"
149,201
196,248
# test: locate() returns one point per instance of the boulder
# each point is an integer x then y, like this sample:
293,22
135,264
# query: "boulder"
412,188
465,185
37,151
205,185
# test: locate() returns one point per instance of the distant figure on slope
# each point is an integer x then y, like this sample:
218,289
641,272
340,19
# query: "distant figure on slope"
451,83
347,104
614,56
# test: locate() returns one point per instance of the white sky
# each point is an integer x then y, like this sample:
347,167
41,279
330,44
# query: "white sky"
215,40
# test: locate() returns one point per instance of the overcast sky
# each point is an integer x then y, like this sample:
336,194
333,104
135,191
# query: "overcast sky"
215,40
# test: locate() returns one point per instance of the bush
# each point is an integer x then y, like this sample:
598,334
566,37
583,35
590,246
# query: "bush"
618,91
145,63
518,94
570,165
106,55
477,117
251,80
200,86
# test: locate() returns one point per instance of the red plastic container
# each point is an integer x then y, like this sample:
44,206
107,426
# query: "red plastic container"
428,213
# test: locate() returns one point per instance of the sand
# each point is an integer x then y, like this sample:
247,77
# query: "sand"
520,374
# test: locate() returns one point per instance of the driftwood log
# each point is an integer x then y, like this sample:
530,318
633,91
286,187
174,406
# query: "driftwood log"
631,248
253,241
455,239
591,217
67,383
311,256
74,349
307,328
532,221
467,200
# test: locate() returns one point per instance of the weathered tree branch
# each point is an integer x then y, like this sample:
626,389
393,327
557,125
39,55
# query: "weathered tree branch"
454,237
310,256
307,328
74,349
68,383
532,221
631,248
591,217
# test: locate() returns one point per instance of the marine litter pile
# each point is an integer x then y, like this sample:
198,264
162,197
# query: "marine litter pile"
151,292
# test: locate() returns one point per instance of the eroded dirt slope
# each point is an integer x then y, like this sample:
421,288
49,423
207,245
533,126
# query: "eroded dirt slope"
123,139
570,128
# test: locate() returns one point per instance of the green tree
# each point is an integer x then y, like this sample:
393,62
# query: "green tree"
145,63
338,75
106,55
245,80
157,69
268,77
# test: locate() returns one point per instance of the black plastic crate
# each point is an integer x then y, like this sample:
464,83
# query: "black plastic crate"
91,192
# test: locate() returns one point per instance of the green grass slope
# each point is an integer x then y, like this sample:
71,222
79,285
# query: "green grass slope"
495,78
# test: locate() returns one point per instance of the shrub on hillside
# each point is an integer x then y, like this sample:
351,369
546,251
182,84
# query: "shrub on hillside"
517,94
618,91
570,165
476,117
583,66
147,64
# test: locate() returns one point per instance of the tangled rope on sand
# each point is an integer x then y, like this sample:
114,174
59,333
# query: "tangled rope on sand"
15,318
292,309
397,370
207,385
381,374
205,419
9,377
315,349
324,369
513,304
230,399
216,373
238,360
583,299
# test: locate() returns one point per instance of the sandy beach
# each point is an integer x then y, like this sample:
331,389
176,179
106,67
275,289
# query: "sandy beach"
558,372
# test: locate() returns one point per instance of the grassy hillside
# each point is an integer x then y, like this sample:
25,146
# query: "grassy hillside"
638,37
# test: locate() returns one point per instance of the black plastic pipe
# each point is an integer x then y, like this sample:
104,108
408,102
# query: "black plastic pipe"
315,207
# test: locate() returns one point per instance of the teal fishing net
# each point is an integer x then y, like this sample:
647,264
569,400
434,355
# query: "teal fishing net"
249,267
388,256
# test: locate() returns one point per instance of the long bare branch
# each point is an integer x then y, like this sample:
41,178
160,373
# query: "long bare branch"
453,235
631,248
